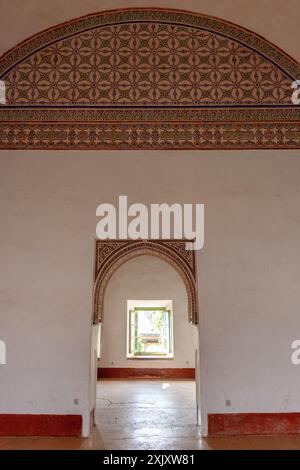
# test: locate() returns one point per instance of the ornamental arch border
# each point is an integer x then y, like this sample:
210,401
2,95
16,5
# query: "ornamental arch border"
111,254
245,108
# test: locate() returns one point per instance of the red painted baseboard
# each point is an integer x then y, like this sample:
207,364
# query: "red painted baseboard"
253,423
40,425
145,373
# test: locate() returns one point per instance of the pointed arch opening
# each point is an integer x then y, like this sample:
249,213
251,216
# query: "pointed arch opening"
111,254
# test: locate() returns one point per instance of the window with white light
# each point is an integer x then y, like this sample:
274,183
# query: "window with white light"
150,331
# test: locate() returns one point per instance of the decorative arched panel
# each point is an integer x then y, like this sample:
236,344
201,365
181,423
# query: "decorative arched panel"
148,79
111,254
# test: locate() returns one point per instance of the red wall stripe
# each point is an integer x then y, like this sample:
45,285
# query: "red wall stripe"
40,425
253,423
145,373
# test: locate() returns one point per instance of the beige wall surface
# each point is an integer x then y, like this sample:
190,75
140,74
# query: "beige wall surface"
276,20
145,278
248,270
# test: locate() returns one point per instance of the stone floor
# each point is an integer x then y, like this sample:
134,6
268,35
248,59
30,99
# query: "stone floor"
149,414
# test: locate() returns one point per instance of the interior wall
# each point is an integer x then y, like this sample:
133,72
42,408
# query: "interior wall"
248,270
94,365
145,278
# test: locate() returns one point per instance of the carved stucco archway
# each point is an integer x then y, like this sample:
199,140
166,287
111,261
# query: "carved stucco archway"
111,254
148,78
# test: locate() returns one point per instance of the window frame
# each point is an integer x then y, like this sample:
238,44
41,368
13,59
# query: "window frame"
152,355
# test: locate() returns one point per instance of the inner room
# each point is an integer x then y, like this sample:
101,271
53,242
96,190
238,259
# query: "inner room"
147,344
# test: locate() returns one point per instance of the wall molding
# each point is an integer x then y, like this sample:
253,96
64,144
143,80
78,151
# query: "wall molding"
148,78
40,425
230,424
145,373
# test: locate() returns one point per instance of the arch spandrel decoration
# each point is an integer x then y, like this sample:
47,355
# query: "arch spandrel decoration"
148,79
111,254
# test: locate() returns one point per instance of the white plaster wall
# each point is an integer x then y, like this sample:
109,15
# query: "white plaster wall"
248,271
145,278
94,366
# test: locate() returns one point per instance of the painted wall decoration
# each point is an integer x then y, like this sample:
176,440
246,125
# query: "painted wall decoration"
110,254
148,79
